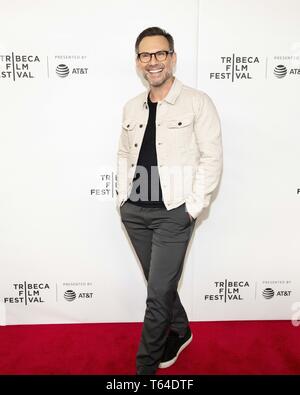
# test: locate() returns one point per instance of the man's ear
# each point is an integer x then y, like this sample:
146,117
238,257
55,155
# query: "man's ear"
137,64
174,58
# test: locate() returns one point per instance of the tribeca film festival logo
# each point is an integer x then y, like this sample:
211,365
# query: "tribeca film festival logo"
107,183
235,68
227,290
247,67
27,293
17,66
70,295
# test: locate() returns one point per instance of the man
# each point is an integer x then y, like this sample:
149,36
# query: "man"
169,163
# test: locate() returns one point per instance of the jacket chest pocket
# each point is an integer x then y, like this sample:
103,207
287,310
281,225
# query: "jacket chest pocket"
180,131
129,127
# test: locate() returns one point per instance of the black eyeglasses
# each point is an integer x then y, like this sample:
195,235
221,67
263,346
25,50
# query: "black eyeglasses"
160,56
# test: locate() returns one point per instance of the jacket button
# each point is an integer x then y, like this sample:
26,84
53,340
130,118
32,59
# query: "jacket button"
179,123
135,145
128,125
117,192
132,164
141,126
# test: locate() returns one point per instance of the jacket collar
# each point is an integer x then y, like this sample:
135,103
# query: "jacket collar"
172,94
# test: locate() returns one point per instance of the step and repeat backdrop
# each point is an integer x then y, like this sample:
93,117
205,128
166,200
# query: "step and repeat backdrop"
66,70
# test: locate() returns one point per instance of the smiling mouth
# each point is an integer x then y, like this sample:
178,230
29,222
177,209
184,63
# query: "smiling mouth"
155,71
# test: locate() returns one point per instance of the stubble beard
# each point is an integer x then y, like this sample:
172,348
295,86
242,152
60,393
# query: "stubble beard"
157,84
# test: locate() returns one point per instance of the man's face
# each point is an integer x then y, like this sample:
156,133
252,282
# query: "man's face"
154,44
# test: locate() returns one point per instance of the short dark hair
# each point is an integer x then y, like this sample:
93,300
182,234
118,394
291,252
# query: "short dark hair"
154,31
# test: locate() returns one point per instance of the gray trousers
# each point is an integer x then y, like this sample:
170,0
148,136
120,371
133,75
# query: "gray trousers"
160,238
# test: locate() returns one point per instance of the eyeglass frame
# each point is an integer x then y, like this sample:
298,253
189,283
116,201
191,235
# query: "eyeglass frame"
155,53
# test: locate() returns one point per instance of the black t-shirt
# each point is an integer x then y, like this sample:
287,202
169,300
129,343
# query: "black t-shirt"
148,159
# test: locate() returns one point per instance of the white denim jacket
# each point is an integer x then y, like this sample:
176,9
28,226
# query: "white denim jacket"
188,145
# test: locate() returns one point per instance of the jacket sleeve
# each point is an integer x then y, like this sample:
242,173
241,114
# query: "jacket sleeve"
122,156
207,130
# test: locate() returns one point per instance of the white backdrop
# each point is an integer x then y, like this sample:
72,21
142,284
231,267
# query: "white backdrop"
66,70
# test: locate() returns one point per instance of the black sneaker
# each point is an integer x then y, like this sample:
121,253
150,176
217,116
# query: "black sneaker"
174,346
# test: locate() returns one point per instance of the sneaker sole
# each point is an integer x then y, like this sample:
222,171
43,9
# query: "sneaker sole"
167,364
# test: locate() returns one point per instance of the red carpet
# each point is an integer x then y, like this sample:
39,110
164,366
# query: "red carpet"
230,347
